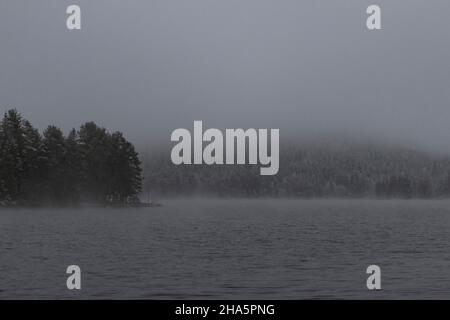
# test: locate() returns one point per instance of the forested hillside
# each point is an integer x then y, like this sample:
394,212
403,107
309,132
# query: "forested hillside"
310,170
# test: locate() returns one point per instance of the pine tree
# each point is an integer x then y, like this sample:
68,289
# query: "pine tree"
11,169
125,172
20,158
94,147
73,167
33,162
59,187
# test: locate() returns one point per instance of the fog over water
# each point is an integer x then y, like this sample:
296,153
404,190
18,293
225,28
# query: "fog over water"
310,68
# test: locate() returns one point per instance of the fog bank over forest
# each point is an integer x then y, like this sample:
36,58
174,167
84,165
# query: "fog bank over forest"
332,141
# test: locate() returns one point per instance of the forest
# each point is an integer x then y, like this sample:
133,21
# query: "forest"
92,166
311,170
88,166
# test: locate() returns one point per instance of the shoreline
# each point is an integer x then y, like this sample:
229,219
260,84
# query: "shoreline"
231,199
82,206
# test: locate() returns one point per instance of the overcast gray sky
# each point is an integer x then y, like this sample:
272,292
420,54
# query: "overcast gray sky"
306,67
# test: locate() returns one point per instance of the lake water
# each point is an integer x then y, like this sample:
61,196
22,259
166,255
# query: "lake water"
229,249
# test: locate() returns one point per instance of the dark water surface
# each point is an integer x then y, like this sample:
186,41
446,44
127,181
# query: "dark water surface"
257,249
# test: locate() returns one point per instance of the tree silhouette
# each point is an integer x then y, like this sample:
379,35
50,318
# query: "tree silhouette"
90,165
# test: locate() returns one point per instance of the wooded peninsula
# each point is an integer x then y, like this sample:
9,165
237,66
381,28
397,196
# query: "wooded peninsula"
89,165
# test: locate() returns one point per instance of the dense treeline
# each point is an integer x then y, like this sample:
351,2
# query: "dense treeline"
91,165
86,166
316,170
